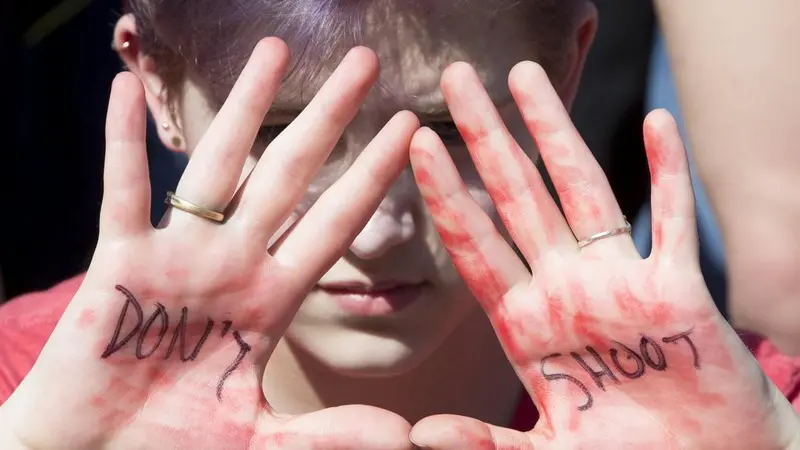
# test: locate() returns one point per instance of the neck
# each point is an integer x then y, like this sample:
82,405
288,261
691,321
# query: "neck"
468,375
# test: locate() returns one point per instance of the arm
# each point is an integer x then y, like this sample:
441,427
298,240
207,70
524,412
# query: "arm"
735,64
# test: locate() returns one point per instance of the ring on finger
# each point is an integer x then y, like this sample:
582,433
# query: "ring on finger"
194,209
606,234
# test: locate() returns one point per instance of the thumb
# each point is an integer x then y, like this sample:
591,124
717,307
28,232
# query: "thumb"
341,428
448,432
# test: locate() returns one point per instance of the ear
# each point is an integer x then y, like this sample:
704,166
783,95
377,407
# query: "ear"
581,42
127,43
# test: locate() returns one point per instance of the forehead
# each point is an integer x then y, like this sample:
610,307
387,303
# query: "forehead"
414,48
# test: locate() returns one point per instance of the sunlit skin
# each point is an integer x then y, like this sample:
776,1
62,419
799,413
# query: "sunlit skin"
134,402
603,296
705,394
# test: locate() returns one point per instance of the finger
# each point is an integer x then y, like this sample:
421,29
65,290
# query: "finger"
126,182
483,258
448,432
281,177
513,182
588,202
672,197
344,209
341,428
214,170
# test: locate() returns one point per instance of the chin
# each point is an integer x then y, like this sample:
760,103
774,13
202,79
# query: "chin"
357,353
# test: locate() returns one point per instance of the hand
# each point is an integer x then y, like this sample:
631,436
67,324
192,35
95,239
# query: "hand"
616,351
165,344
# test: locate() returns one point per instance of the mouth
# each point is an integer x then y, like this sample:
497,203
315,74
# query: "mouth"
381,299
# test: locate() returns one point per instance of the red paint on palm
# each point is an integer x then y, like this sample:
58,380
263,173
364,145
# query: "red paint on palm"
86,319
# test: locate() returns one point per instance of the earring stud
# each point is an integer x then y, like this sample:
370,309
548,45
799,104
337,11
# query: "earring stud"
165,125
123,46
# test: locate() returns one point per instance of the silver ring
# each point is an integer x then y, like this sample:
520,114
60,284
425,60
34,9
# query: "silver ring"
605,234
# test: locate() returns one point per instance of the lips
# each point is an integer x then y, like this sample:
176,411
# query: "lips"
380,299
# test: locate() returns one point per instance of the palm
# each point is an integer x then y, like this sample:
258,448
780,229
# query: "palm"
616,351
642,360
165,344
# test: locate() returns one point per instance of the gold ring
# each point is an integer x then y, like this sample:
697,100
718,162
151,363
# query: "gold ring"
605,234
193,209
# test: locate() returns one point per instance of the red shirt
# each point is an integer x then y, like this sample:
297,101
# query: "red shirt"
26,324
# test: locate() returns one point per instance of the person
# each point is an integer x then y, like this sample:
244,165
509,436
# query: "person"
299,295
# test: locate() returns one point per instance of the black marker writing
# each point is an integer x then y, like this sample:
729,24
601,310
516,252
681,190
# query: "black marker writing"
597,375
644,346
650,355
226,325
684,336
244,347
570,378
630,355
132,306
180,334
162,313
130,301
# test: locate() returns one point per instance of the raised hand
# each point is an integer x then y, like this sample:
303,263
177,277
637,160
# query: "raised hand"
165,344
615,350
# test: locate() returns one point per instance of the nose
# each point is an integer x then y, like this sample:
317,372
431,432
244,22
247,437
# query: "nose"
392,224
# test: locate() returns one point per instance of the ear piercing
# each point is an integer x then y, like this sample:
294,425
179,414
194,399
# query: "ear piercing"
123,46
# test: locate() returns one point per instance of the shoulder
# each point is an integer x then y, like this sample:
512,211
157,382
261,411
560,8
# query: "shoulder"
26,323
783,370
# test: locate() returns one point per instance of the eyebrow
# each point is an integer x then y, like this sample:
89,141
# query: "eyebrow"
285,111
441,113
432,113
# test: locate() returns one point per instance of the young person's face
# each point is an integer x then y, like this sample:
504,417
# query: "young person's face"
395,296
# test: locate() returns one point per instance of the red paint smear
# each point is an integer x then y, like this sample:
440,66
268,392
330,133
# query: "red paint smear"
662,314
658,314
313,439
482,279
657,151
199,432
540,129
507,332
658,237
546,207
86,319
585,326
543,394
579,205
421,172
485,283
556,317
629,307
176,274
472,136
517,334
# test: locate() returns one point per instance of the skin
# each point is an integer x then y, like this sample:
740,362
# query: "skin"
329,358
743,127
127,400
599,299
